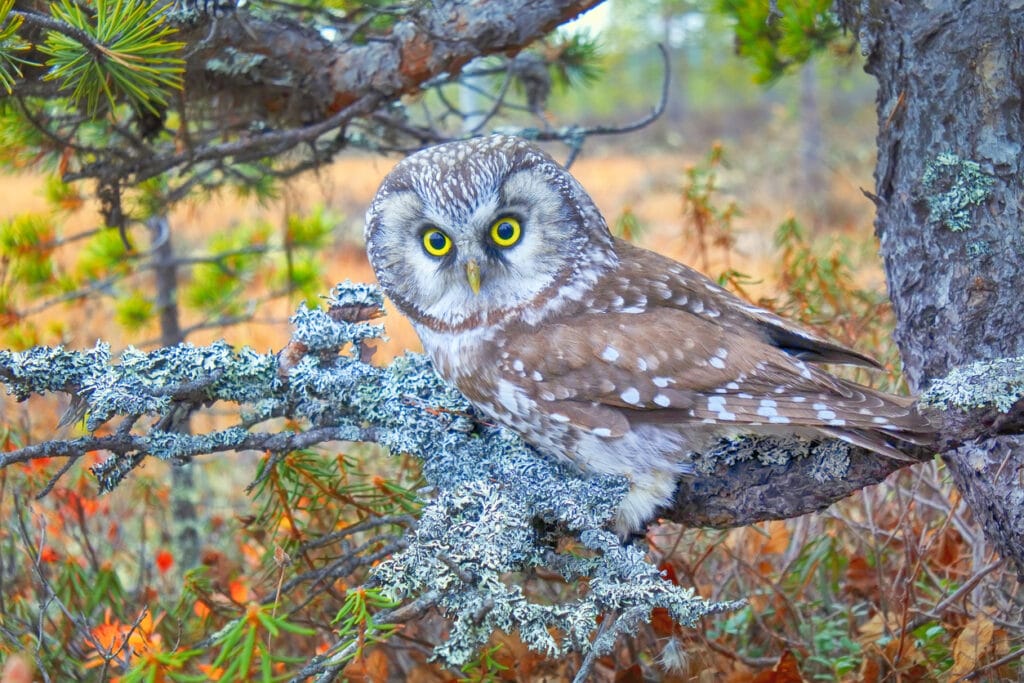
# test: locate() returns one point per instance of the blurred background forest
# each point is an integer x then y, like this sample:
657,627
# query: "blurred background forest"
754,179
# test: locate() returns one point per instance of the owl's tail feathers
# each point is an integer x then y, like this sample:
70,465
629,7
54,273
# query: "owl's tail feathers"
914,429
814,349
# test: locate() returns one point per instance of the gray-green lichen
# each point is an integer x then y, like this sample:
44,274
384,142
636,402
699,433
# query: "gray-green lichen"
954,185
831,457
473,536
42,370
976,249
493,503
998,383
172,445
142,383
233,62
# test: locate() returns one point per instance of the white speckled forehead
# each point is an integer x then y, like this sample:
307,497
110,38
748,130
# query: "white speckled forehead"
455,175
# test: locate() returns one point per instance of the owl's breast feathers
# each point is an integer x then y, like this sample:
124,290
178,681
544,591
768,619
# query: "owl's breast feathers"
655,343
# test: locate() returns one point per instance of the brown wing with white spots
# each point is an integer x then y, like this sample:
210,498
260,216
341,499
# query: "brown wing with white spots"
669,353
646,280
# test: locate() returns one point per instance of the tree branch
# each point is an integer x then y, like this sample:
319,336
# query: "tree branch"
740,482
972,404
286,74
490,489
777,479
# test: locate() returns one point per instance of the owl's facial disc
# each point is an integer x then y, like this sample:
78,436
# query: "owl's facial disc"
480,230
496,255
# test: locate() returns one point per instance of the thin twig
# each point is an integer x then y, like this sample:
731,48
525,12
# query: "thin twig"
964,589
575,133
1005,659
326,668
404,521
121,444
752,662
57,475
587,666
51,24
49,595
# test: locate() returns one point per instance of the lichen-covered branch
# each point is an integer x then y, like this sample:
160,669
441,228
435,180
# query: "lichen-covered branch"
743,481
754,479
495,506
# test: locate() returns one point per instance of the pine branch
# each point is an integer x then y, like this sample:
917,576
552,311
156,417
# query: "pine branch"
262,81
44,21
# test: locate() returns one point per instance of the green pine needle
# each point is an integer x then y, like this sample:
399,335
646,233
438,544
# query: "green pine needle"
134,310
129,57
10,43
805,28
577,61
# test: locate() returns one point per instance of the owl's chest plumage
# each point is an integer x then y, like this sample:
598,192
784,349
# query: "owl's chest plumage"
472,360
500,378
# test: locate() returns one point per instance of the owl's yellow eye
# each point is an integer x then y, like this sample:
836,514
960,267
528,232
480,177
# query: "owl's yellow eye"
436,242
506,231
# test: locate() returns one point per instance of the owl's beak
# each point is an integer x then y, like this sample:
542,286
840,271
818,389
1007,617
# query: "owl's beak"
473,275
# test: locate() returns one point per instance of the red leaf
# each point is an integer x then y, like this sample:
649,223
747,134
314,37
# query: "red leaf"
633,674
164,561
786,670
662,622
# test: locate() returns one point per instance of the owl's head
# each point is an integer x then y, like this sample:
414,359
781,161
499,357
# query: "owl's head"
476,230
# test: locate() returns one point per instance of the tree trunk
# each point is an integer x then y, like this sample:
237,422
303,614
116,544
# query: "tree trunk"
950,78
184,518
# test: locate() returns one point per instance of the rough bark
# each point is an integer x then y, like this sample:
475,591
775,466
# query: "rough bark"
753,491
291,72
950,77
